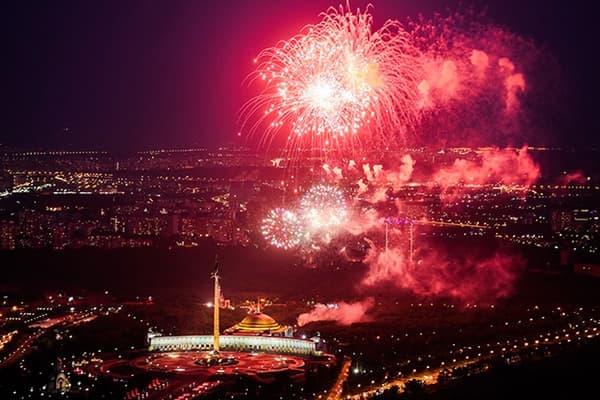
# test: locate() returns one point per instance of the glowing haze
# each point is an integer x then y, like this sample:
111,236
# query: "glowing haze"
514,168
337,84
433,274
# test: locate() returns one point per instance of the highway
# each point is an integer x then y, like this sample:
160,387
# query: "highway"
20,351
503,349
338,387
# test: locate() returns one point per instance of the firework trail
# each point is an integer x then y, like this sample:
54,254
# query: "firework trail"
337,85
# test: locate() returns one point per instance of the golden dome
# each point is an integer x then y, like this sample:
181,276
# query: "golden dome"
257,322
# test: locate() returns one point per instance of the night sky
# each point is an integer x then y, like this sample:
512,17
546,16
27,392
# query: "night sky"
144,74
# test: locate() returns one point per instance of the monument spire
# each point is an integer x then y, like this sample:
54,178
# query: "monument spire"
216,305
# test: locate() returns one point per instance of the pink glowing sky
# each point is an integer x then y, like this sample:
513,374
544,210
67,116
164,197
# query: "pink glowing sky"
141,74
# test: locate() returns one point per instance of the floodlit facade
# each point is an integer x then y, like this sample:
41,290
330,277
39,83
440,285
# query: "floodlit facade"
257,332
266,344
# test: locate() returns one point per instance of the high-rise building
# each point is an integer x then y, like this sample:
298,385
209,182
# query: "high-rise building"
562,220
7,235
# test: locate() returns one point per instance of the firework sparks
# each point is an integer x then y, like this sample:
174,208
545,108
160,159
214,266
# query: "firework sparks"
323,210
282,229
348,91
342,87
338,83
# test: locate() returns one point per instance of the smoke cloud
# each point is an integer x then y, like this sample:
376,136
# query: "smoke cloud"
501,166
480,61
432,274
572,177
382,179
342,313
364,222
338,172
367,170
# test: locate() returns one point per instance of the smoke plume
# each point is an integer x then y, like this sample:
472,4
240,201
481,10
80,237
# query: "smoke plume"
342,313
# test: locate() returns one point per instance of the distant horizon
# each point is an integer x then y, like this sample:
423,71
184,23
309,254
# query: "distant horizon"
7,148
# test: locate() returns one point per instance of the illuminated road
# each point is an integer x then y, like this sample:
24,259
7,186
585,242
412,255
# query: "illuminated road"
43,326
338,387
21,350
428,378
501,349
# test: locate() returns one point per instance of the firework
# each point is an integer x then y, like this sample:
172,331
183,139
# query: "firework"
337,84
282,229
323,210
342,87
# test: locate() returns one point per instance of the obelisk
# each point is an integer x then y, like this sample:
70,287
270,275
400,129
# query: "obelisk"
216,305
